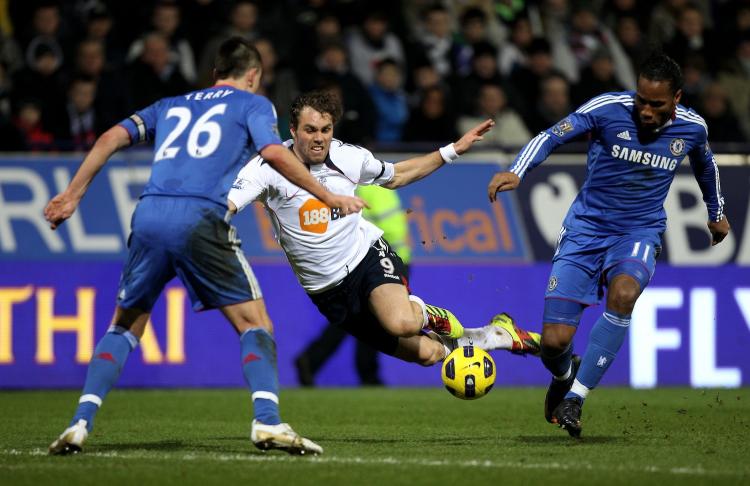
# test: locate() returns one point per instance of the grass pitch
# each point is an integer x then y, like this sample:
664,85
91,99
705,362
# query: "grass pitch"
384,436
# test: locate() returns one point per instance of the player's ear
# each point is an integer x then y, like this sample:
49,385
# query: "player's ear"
677,96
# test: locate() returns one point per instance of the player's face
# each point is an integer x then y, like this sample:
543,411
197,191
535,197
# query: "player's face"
654,103
312,135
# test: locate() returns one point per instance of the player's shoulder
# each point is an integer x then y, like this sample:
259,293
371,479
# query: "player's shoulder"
691,118
340,150
608,102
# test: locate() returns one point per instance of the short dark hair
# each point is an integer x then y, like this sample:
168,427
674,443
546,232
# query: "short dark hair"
235,57
320,101
660,67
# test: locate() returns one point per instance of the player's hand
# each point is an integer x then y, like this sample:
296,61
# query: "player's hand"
60,208
719,230
346,204
473,135
502,181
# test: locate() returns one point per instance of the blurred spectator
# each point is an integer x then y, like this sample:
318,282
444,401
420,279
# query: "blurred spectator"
112,94
372,44
473,31
243,19
10,53
45,30
165,19
436,39
423,76
151,76
484,70
28,121
357,123
100,28
638,10
663,25
42,81
6,86
723,126
553,105
278,82
528,79
630,36
695,80
692,38
509,129
432,121
389,100
735,78
588,36
597,78
78,129
513,54
326,31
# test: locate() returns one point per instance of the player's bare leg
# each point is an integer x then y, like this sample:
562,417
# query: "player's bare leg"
558,358
110,355
251,321
605,341
405,315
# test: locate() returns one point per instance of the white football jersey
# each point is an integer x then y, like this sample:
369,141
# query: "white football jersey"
321,246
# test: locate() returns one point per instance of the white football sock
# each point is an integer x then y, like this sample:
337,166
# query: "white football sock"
487,337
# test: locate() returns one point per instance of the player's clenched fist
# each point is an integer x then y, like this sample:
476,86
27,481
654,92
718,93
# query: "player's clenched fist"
502,181
719,230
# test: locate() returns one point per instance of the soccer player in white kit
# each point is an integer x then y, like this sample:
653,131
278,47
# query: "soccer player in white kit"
347,269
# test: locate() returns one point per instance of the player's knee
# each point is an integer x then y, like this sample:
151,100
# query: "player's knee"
556,339
623,294
402,325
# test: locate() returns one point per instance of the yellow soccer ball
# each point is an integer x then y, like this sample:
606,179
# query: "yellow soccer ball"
468,372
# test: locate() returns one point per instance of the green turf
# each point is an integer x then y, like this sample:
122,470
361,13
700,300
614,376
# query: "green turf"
384,436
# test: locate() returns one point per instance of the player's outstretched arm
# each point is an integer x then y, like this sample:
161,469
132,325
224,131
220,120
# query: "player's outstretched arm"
62,206
288,165
502,181
412,170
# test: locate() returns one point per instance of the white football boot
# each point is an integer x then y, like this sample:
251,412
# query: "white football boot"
71,441
282,437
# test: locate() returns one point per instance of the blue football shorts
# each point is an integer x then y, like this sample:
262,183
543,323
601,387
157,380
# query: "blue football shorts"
189,238
581,263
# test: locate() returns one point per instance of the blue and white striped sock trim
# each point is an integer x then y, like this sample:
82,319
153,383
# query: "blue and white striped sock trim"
616,320
132,340
91,398
266,396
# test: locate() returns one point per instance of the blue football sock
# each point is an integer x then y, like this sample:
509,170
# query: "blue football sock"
259,368
605,341
110,355
558,364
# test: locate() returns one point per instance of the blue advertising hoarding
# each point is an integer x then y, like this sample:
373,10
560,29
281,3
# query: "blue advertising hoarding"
57,289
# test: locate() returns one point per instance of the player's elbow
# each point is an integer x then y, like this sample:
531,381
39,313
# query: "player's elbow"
273,153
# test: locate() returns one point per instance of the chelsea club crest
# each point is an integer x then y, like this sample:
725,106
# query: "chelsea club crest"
677,146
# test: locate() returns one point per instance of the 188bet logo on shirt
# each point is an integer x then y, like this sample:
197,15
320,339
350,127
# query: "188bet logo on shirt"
314,216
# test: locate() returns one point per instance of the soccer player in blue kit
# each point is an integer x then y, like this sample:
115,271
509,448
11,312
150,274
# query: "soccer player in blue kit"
180,228
611,235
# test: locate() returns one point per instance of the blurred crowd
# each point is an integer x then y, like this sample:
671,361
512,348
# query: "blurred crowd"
409,71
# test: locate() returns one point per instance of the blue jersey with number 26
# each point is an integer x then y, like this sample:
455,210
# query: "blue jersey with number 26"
202,139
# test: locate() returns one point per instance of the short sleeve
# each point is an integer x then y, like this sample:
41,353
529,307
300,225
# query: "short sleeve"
262,123
141,125
251,184
374,171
